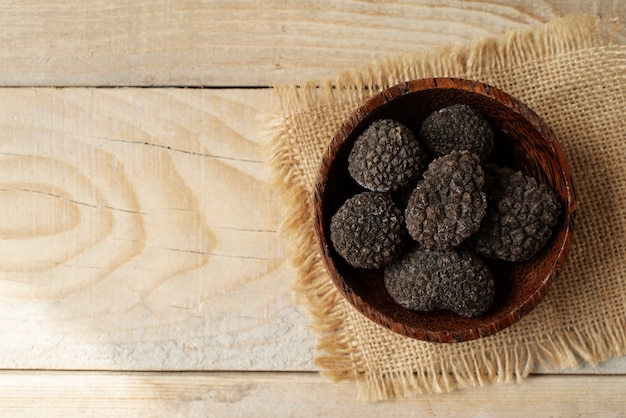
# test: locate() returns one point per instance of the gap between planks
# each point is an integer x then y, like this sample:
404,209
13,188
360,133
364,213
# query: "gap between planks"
147,87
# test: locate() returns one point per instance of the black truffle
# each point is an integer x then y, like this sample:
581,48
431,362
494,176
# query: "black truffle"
520,215
457,127
448,204
386,156
368,230
454,279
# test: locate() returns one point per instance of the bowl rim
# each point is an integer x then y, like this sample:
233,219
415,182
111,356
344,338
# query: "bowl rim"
343,133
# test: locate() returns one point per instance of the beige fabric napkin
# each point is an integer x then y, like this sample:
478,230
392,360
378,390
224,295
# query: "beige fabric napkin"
575,79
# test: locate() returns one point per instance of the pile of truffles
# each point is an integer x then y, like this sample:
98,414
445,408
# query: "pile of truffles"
433,208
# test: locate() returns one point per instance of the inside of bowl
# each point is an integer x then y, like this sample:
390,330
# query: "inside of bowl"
521,142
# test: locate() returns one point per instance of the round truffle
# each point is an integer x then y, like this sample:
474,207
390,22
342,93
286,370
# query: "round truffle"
386,156
520,215
368,230
457,127
454,279
448,204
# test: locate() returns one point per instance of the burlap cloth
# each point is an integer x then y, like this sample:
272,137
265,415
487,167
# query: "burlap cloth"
575,79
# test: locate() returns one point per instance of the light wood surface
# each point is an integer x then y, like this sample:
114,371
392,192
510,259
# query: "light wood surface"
229,395
146,236
139,229
243,42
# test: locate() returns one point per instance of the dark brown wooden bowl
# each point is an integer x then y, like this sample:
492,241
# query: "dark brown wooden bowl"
523,141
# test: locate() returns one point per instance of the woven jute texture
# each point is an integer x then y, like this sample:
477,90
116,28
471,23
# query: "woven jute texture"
569,73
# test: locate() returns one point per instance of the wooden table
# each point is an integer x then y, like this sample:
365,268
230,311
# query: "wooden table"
143,273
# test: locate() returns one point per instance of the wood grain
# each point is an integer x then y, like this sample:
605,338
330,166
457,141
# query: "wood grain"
139,231
100,394
245,42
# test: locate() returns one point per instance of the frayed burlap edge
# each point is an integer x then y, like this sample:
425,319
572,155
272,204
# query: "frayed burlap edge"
313,288
481,56
338,356
590,346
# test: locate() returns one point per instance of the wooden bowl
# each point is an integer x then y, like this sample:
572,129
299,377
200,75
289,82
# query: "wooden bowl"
522,141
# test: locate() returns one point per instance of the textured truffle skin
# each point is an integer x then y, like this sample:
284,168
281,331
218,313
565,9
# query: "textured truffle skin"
457,127
386,156
368,230
520,216
454,279
448,204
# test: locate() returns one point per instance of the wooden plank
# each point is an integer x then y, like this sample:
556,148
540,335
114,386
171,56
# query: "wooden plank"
139,231
245,42
292,395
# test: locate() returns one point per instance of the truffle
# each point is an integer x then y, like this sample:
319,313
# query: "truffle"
448,204
454,279
520,215
457,127
368,230
386,156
